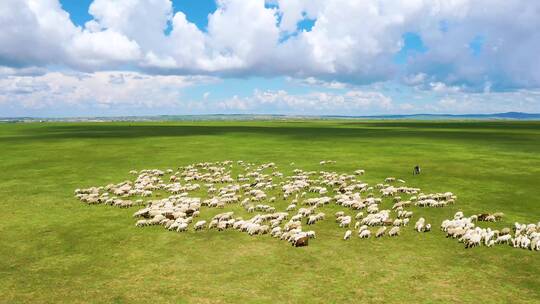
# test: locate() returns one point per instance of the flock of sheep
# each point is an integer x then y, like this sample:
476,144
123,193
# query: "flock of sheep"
175,199
526,236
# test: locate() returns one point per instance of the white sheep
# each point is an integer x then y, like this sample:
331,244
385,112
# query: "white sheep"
360,172
182,227
394,231
419,226
199,225
347,235
364,234
380,232
345,221
291,207
141,223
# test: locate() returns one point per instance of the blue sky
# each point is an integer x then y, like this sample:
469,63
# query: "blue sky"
196,11
78,10
412,44
142,57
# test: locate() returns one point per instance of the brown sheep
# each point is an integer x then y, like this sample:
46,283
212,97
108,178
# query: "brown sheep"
301,242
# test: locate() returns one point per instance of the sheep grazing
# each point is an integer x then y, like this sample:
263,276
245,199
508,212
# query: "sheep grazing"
339,214
364,234
276,232
472,237
169,198
345,221
464,229
301,241
396,222
419,226
141,223
360,172
376,219
291,207
490,218
498,215
372,209
182,227
199,225
402,214
326,162
486,217
394,231
505,231
312,219
380,232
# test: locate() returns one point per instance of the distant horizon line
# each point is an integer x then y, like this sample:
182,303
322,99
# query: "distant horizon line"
501,115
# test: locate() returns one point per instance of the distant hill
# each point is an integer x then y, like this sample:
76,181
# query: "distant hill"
494,116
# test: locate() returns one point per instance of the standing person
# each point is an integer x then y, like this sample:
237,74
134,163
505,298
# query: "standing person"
416,170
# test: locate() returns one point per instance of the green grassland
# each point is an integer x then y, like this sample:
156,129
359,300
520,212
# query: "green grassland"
54,249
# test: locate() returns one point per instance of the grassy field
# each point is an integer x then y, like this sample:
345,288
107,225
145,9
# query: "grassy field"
56,249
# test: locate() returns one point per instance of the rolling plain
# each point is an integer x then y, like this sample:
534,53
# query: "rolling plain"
53,248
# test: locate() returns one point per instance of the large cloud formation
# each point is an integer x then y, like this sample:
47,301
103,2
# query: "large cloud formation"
476,44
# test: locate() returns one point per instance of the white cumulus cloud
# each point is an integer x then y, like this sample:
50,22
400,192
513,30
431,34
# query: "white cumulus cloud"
350,41
471,50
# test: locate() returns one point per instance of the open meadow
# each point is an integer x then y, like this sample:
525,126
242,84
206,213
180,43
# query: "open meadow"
55,249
